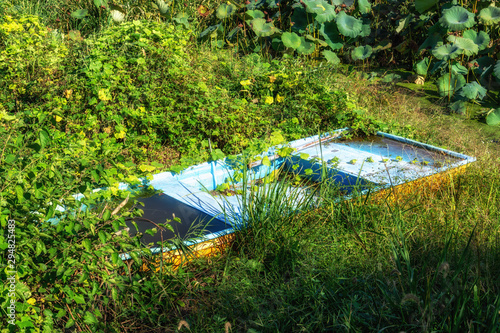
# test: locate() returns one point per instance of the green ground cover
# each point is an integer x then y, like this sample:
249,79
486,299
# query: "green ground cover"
87,102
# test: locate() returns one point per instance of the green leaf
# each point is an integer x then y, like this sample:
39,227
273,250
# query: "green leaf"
473,90
80,13
424,5
422,66
79,299
255,14
448,86
348,25
10,158
151,231
106,215
481,39
457,68
262,28
305,46
490,15
225,10
331,57
467,45
99,3
39,248
493,117
361,52
457,18
304,156
330,32
90,318
291,39
323,10
102,237
365,6
19,192
87,244
265,161
44,138
70,323
446,52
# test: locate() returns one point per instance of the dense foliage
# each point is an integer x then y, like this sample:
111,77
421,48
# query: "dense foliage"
93,94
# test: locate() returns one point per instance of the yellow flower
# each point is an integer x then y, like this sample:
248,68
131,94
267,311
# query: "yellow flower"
104,95
272,78
31,301
279,98
245,83
67,93
58,118
269,100
120,135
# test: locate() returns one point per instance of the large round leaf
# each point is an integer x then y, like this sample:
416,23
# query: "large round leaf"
481,39
300,19
493,118
446,52
255,14
331,34
424,5
431,42
262,28
467,45
348,25
225,10
447,86
422,66
490,15
323,10
473,90
361,52
305,46
331,57
457,18
365,6
291,39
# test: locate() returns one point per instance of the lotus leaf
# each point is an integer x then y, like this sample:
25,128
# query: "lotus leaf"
422,66
331,57
496,69
457,68
182,18
365,30
263,28
457,18
493,117
225,10
361,52
316,40
448,86
348,25
439,65
255,14
424,5
305,46
331,34
80,13
348,3
490,15
365,6
323,10
467,45
458,107
255,4
481,40
291,39
300,19
431,42
446,52
473,90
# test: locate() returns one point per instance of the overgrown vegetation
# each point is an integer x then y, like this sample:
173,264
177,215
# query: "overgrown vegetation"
94,93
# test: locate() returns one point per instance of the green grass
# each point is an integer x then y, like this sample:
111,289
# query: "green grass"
429,264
